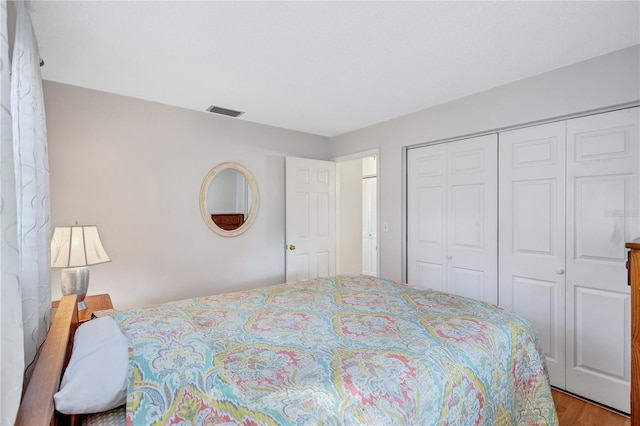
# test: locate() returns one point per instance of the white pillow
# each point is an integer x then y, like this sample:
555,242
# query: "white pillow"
96,378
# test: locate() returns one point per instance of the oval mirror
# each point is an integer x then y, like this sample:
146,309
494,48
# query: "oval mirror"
229,199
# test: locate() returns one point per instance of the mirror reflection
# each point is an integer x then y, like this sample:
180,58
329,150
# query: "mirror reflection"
229,199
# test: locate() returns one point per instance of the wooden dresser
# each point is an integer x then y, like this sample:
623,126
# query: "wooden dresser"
634,281
228,221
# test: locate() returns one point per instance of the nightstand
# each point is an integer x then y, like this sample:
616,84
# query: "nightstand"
97,302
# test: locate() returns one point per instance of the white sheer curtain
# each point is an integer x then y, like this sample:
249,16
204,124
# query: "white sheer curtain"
11,347
25,228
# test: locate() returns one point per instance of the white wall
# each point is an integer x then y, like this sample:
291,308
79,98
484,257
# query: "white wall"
604,81
134,169
349,217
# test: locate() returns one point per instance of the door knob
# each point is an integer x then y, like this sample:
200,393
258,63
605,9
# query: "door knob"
449,257
560,271
292,247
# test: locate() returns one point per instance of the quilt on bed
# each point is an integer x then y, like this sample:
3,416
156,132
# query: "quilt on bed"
343,350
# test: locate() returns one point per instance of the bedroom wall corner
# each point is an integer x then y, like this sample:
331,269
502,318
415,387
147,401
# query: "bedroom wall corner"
602,82
134,169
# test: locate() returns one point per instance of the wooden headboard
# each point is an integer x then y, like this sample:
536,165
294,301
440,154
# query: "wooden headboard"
37,406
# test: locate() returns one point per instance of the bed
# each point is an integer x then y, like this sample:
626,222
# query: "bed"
341,350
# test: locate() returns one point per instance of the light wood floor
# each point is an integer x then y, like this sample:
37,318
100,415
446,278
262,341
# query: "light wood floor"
573,411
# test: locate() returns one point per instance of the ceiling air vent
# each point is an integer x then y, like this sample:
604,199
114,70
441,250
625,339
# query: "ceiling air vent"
224,111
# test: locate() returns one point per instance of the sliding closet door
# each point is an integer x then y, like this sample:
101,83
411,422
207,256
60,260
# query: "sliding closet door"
426,217
602,213
452,217
532,234
472,212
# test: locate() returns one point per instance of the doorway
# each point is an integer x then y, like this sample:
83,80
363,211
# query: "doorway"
357,213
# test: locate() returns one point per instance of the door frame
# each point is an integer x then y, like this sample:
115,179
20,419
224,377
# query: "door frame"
355,156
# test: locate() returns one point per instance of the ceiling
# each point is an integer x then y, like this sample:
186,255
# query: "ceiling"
324,68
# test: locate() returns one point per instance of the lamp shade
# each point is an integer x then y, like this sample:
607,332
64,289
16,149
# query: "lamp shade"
74,246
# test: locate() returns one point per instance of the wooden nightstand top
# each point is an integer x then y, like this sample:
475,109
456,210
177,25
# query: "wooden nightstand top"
97,302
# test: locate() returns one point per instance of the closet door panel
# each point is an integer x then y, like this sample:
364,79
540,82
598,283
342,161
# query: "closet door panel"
426,217
534,205
532,234
603,192
535,300
452,217
472,243
600,313
466,215
467,282
598,230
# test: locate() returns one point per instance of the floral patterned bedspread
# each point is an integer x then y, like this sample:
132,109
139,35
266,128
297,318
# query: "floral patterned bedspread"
343,350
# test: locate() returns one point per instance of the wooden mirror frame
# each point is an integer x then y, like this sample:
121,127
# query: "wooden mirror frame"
255,199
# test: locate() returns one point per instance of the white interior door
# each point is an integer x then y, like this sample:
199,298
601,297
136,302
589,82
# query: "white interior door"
452,217
369,227
532,235
310,197
603,194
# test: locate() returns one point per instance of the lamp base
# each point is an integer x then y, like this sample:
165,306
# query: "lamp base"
75,281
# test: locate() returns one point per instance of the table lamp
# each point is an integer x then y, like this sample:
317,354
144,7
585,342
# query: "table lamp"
75,248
